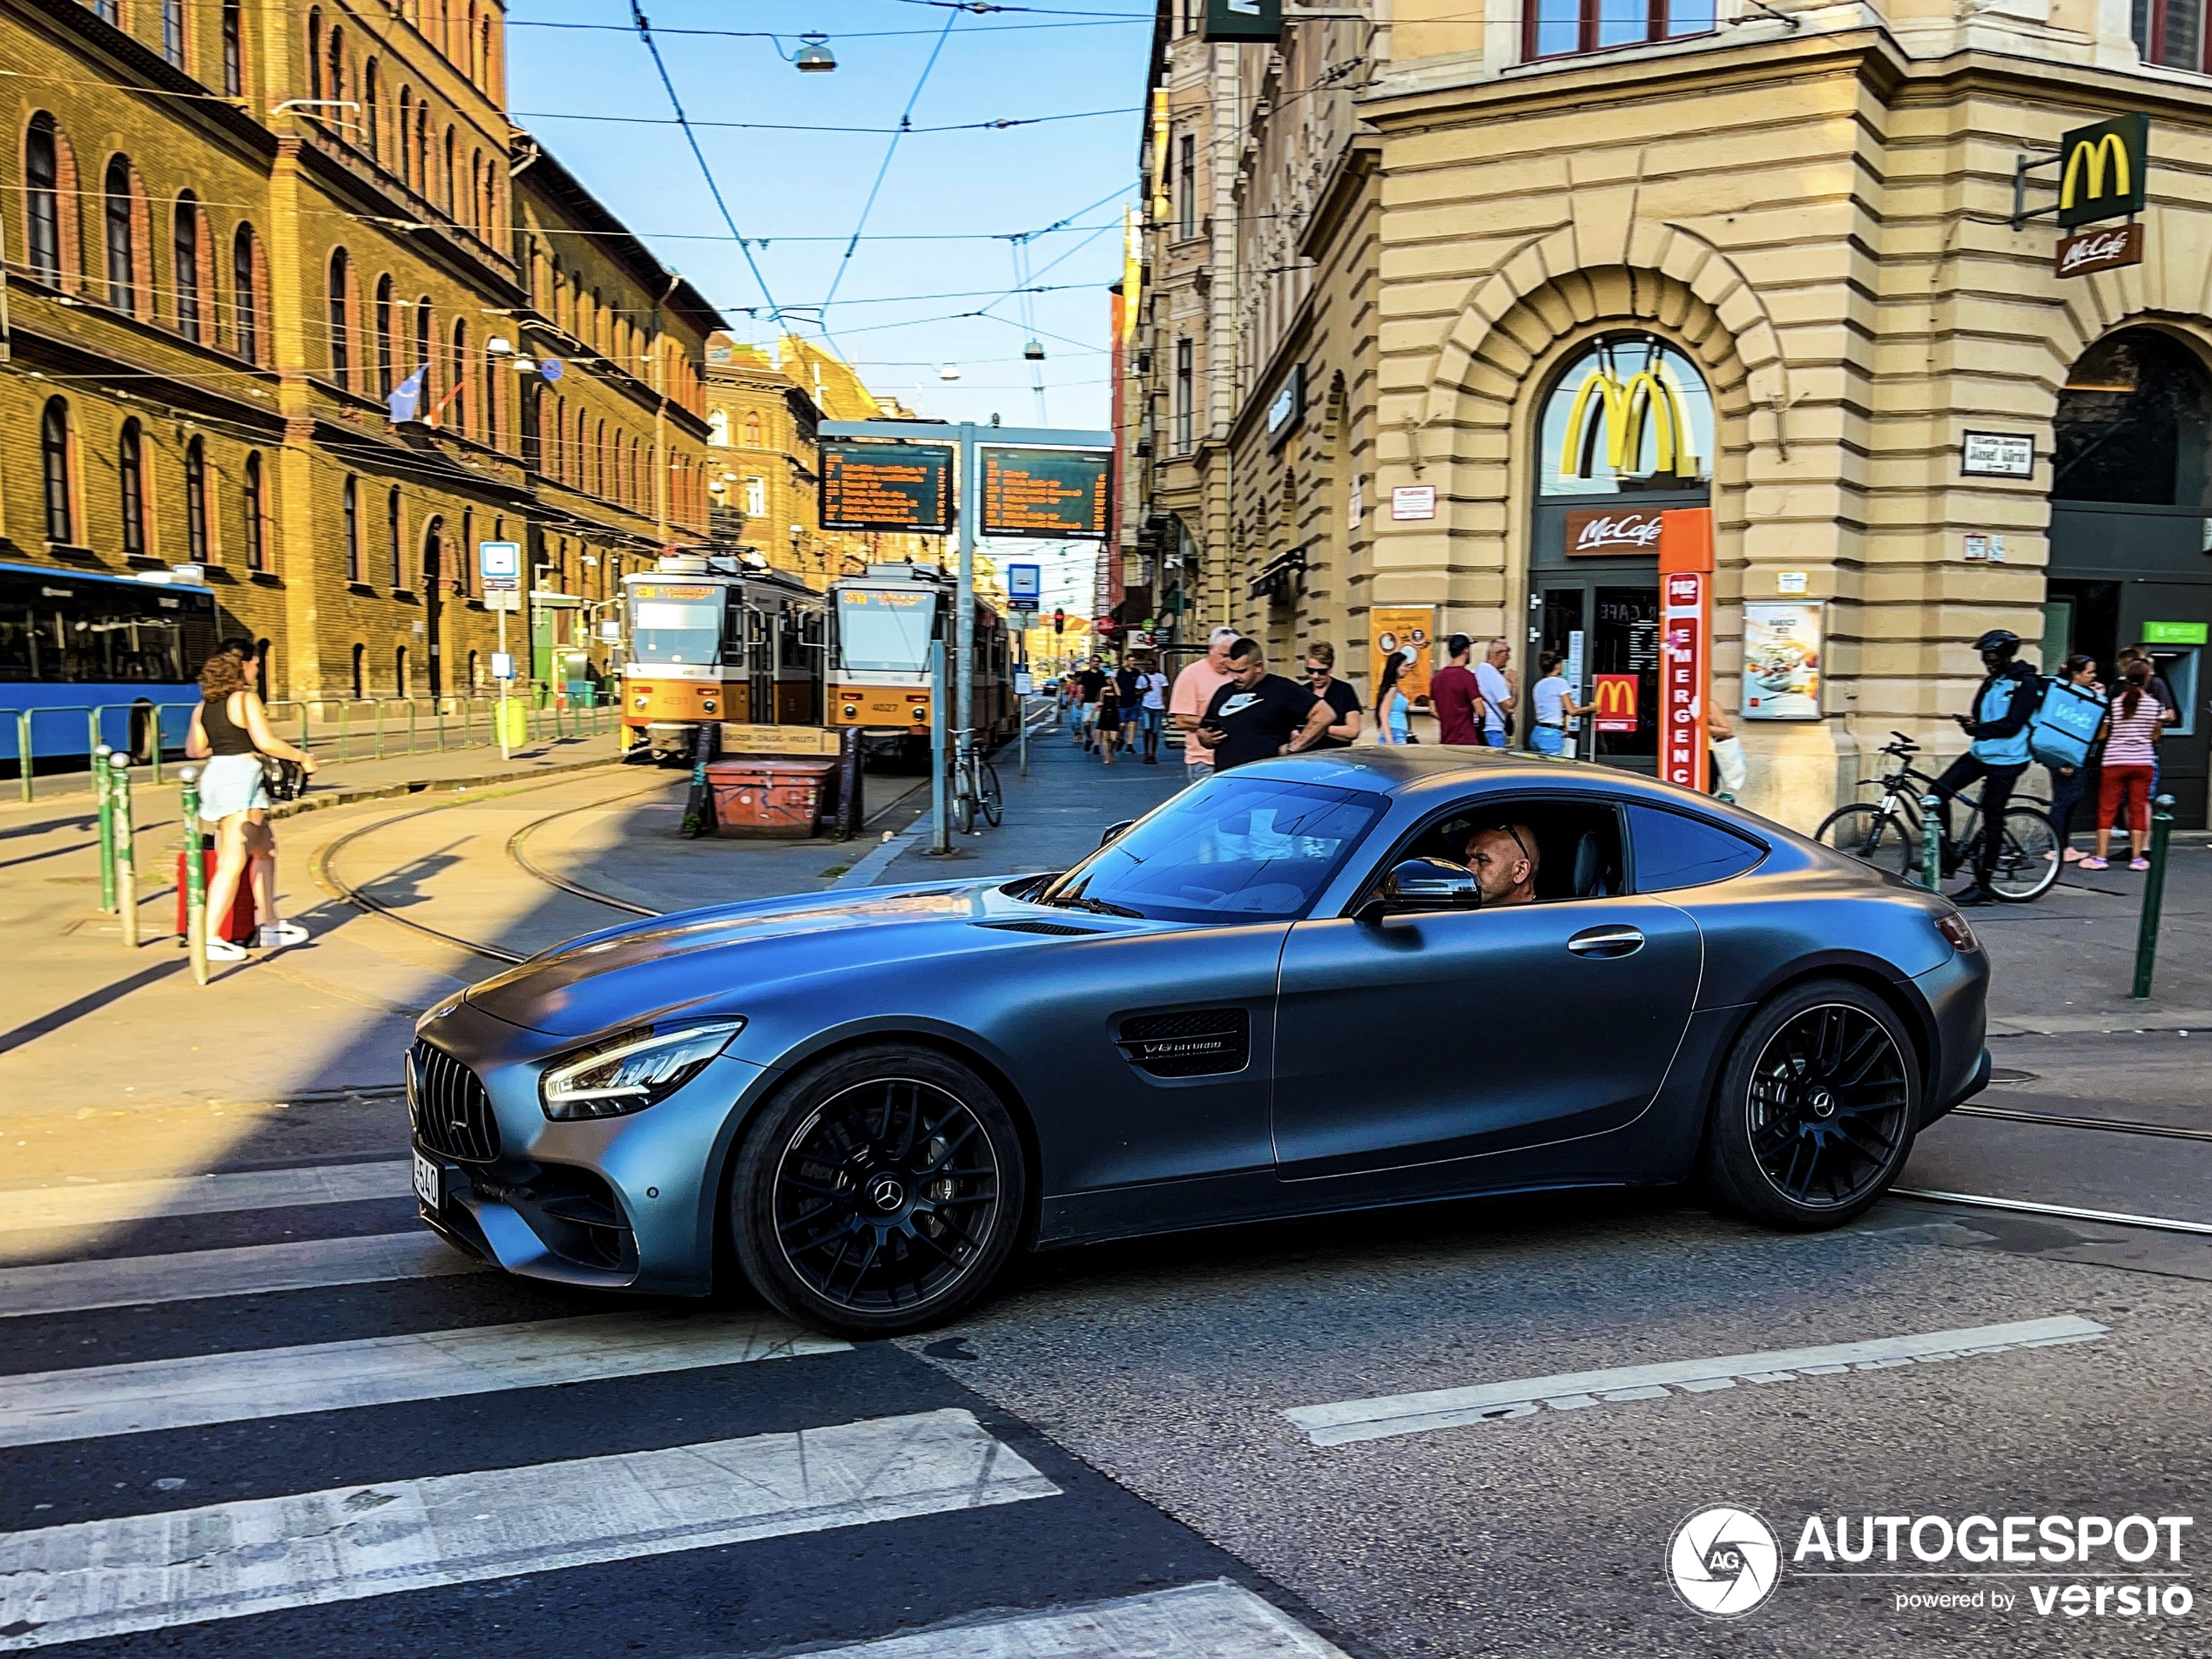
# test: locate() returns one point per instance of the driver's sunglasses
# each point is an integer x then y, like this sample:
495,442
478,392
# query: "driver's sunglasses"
1504,829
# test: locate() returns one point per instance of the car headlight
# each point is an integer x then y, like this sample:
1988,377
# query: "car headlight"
632,1071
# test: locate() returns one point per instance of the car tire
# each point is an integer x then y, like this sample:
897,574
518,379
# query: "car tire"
877,1192
1816,1108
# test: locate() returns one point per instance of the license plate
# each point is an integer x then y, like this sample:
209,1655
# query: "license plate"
428,1183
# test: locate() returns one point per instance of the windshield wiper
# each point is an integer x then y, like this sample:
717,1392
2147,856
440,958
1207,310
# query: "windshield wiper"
1096,906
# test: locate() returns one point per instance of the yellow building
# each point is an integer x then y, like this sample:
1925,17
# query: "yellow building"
234,234
1908,425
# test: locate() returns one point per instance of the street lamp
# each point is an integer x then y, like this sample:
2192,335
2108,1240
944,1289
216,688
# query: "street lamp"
814,57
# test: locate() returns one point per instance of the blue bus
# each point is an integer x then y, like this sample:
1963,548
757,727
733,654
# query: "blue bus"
87,659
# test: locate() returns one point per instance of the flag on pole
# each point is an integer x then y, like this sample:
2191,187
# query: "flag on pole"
406,402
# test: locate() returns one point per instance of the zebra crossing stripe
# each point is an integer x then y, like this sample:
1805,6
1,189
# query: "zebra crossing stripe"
104,1578
1370,1419
1218,1621
104,1203
248,1270
42,1407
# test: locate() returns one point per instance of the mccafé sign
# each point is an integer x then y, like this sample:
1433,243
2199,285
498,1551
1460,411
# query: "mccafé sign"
1619,412
2105,249
1611,532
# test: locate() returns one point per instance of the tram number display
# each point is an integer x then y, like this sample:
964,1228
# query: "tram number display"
887,487
1046,492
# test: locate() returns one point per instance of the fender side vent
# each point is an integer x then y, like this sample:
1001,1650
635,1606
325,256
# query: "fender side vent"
1057,928
1199,1043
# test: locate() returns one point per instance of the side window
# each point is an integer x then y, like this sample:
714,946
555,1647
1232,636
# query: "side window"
1674,849
1576,842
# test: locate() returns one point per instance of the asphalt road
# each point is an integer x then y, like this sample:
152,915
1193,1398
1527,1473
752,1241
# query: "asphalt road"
246,1407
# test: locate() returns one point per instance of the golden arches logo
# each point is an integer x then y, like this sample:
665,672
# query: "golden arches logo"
2097,151
1647,397
1615,696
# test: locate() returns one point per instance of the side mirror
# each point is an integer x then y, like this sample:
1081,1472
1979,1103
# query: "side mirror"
1115,832
1425,883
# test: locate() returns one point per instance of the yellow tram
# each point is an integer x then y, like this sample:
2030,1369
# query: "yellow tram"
716,637
880,627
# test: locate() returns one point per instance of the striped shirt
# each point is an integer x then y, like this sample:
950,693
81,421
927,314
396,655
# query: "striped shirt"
2131,737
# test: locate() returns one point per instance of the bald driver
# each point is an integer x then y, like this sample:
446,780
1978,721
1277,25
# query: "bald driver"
1503,858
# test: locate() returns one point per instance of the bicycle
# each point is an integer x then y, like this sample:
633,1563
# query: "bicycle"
975,789
1888,835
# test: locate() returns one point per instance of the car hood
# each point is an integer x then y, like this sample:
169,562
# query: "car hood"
697,960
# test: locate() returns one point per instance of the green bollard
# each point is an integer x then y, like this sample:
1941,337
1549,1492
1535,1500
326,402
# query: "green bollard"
107,797
126,855
2161,828
195,877
1931,843
24,766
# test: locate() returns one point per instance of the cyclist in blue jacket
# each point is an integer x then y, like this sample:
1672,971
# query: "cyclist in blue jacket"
2003,706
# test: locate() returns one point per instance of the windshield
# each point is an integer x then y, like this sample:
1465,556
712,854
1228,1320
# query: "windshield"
1233,849
670,622
883,632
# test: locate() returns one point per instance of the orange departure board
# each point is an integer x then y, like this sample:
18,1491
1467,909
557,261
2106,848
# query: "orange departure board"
887,487
1046,492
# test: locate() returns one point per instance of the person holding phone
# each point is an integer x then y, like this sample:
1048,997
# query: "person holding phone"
1257,715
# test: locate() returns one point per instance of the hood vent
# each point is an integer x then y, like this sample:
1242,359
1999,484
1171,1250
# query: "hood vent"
1196,1042
1058,928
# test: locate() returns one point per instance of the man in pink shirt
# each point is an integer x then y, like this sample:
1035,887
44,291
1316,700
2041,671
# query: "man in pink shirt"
1194,690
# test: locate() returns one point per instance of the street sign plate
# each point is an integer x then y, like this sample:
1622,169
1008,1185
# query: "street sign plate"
1046,492
503,599
500,566
1023,582
887,486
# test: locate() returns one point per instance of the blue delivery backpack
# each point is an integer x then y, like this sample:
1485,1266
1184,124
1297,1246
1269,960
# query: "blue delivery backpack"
2065,723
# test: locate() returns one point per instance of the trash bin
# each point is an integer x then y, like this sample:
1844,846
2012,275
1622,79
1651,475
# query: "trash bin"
511,717
241,930
774,796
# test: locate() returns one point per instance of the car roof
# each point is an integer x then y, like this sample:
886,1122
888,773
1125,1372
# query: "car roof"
1417,771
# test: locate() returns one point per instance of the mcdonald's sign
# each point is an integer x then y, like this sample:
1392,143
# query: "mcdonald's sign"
1613,697
2103,170
1620,411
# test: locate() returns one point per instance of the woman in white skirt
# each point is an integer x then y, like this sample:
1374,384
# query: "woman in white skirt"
230,733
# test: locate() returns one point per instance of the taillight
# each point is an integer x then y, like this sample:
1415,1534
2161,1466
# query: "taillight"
1952,926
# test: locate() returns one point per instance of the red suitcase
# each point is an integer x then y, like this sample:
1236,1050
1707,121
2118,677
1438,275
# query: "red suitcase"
241,930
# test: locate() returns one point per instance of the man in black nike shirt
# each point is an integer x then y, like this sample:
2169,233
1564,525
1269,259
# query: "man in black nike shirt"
1258,715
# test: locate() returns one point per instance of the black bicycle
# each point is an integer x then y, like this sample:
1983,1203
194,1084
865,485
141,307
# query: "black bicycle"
1887,833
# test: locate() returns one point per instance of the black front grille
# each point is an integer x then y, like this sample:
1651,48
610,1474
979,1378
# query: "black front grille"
452,1113
1196,1042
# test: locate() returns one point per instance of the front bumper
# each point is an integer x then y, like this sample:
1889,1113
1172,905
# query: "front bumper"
1957,995
613,1203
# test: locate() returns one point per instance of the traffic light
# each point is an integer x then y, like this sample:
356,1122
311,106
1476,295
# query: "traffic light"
1059,622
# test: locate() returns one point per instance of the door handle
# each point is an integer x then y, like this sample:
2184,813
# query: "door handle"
1606,942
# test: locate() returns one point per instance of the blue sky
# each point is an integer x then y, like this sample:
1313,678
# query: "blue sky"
789,186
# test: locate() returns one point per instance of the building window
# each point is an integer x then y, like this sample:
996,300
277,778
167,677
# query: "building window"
1629,414
2172,33
424,393
130,475
1186,187
393,529
718,429
383,326
1185,397
53,451
372,111
315,55
342,345
255,504
461,376
172,32
42,206
187,261
246,305
1557,28
109,11
122,251
352,528
752,431
196,501
233,49
755,497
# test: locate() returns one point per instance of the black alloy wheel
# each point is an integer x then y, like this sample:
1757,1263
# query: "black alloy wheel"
879,1193
1816,1109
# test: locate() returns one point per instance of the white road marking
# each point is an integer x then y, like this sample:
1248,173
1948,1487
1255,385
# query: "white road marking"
1216,1621
1379,1418
103,1202
41,1407
249,1270
103,1578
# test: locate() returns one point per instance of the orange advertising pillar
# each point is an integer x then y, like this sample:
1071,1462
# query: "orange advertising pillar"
1686,633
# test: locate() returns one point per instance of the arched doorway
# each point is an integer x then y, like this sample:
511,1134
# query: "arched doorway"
1626,432
2131,529
434,597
